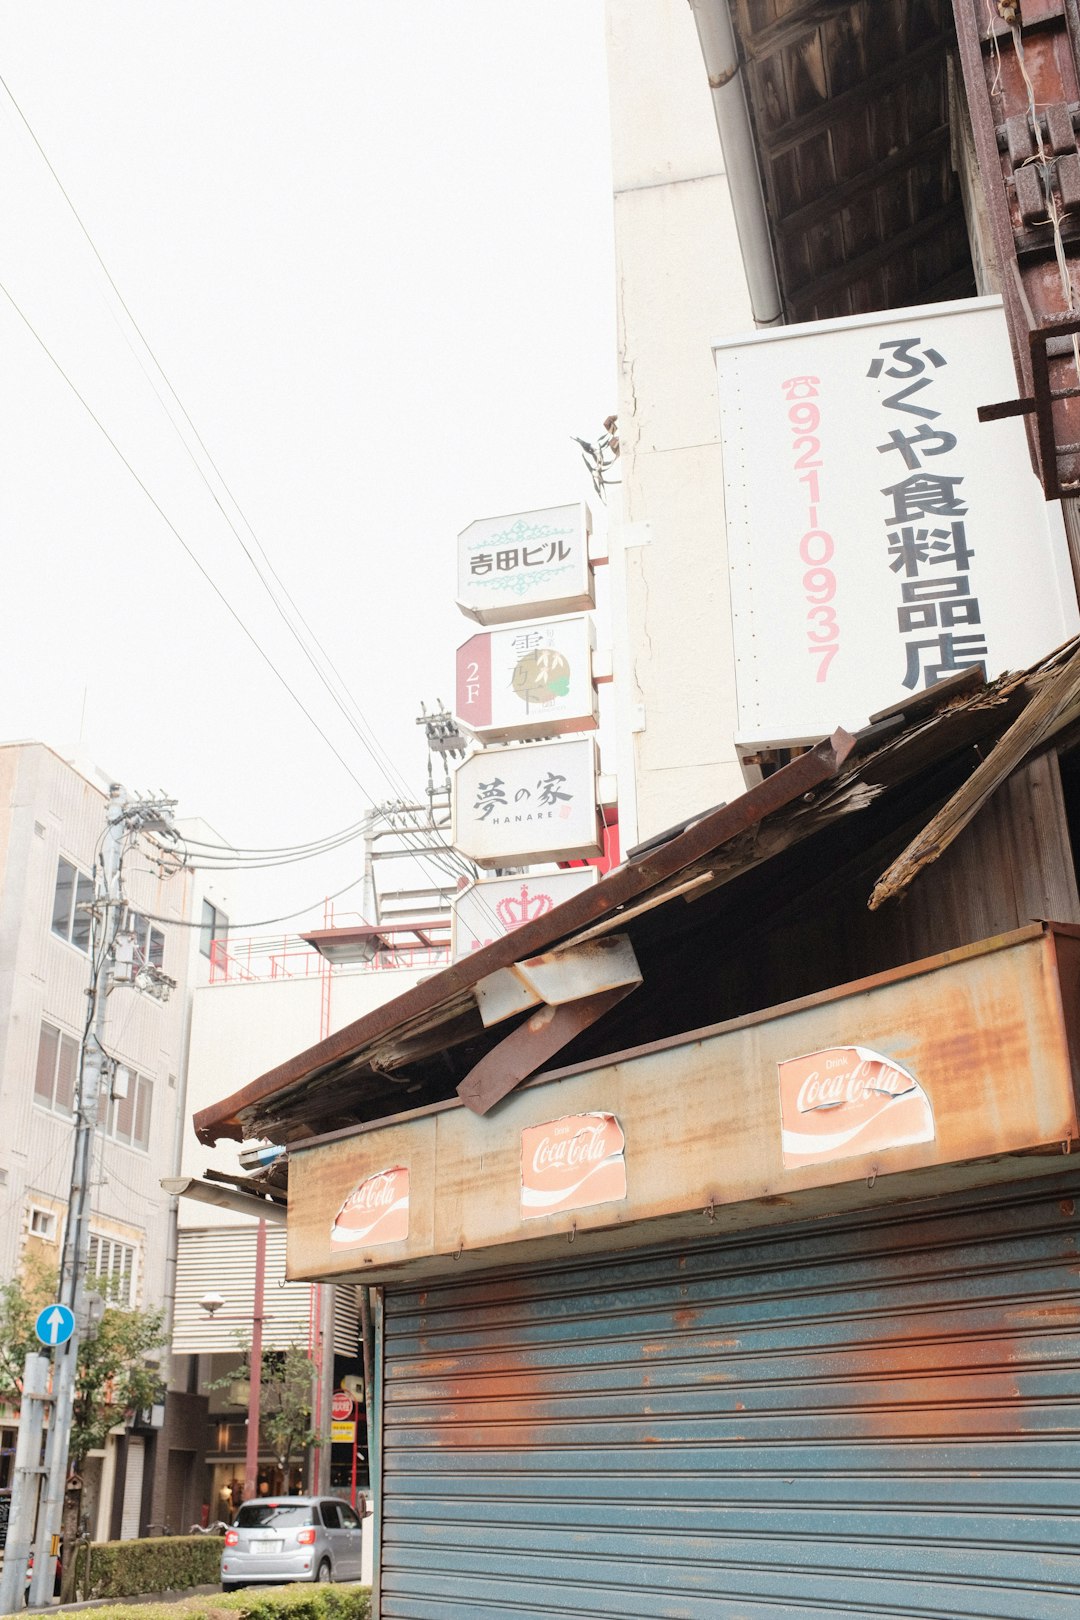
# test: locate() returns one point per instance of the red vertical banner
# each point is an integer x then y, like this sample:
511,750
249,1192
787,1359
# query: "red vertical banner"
474,681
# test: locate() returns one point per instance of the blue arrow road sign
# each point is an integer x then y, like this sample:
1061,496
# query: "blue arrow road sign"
55,1324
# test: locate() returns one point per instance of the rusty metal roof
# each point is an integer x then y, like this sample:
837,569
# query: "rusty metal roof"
850,804
446,1002
850,104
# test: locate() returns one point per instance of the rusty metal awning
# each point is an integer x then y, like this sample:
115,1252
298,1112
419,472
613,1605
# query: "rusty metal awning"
846,810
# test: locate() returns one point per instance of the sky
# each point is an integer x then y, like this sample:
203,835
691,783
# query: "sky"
370,244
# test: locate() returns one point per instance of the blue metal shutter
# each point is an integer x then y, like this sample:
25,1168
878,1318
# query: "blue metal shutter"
875,1415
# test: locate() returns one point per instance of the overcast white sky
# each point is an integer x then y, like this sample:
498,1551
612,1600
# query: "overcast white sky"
370,243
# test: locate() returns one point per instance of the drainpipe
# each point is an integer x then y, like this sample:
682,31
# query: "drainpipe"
721,55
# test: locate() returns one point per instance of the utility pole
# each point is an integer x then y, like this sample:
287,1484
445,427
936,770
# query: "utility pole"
25,1480
124,818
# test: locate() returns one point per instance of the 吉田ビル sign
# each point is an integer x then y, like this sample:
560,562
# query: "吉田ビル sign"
526,565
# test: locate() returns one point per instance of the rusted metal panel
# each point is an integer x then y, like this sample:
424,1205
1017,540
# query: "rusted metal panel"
867,1417
1022,80
527,1048
987,1036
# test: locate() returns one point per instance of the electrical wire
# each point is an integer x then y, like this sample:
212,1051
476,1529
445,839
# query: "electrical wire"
263,922
171,526
449,861
360,725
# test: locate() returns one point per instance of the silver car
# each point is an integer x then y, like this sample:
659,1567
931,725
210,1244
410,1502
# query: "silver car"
292,1538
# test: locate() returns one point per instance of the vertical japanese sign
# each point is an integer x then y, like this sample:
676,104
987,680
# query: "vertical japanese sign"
487,910
528,680
880,538
513,806
527,565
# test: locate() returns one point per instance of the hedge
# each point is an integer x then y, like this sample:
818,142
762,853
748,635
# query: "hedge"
258,1603
156,1564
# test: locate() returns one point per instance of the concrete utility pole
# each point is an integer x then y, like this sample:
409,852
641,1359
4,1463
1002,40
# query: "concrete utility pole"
123,819
25,1480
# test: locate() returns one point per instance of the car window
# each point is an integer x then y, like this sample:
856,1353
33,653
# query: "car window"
330,1516
348,1517
255,1515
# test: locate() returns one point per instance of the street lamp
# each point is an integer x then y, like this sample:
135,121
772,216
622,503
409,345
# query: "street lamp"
211,1304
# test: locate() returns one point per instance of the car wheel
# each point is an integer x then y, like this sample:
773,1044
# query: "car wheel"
324,1572
232,1586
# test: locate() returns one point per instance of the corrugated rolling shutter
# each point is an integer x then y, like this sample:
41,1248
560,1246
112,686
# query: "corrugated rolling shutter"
133,1482
876,1415
346,1320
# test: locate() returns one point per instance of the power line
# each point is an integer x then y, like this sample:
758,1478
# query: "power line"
263,654
451,864
360,725
264,922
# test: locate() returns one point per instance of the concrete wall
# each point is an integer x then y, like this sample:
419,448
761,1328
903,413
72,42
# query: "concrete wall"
679,285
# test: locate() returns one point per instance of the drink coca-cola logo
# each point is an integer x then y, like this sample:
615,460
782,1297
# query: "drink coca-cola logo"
376,1211
572,1163
849,1100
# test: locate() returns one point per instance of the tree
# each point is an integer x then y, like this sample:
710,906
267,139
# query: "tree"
115,1375
285,1400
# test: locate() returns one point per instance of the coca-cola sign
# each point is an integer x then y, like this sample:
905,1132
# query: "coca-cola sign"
849,1100
375,1212
571,1163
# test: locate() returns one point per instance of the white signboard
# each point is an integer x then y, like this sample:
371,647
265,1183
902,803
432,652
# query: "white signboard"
526,566
487,910
880,538
528,680
535,802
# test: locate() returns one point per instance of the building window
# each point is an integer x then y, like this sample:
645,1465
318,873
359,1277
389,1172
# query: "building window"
73,895
111,1264
42,1224
215,925
149,943
127,1118
57,1069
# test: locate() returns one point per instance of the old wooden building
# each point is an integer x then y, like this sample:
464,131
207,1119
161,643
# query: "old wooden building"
721,1224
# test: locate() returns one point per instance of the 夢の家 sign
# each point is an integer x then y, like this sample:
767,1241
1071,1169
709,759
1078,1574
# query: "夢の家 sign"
528,680
880,538
535,802
487,910
526,566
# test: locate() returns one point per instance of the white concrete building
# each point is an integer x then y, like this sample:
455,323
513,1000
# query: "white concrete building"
52,816
680,284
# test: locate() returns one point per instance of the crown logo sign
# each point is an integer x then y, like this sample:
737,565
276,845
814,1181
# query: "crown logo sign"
517,909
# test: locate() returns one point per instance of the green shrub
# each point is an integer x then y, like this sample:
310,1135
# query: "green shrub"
155,1564
260,1603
